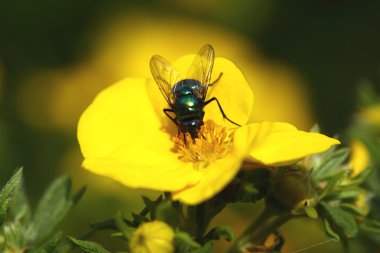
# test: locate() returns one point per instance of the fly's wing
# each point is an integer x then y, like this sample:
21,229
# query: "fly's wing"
165,76
201,68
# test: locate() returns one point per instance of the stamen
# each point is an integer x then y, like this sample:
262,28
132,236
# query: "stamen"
213,142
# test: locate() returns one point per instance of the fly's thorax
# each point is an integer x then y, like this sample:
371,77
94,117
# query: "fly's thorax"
187,85
188,105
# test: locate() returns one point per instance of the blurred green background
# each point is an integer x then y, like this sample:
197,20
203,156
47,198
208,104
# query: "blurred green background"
304,60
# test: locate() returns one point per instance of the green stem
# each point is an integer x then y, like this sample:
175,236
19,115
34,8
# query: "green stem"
201,220
268,222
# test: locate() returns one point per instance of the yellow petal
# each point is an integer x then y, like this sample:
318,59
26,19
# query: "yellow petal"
277,143
232,91
214,178
122,135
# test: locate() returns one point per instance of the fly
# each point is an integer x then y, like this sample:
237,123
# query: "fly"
187,97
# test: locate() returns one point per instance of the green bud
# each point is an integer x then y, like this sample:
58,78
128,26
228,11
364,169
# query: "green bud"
292,188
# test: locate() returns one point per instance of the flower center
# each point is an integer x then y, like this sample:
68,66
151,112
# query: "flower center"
213,142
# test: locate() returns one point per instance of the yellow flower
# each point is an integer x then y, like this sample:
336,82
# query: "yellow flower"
155,236
371,114
360,158
125,135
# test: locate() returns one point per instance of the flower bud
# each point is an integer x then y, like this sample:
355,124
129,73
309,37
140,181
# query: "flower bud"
292,188
362,202
155,236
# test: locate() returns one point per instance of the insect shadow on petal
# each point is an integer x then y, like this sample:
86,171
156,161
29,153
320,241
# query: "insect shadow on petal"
187,97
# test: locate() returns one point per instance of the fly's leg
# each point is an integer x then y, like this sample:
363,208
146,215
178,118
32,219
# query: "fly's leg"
221,110
175,122
216,80
215,99
168,115
184,139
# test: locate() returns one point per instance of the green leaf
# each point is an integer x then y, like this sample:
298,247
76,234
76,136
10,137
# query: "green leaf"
52,208
311,212
330,163
50,245
183,242
150,204
342,222
138,219
122,226
20,210
255,184
67,245
360,178
106,224
11,233
372,226
88,246
141,216
6,194
344,193
207,248
330,231
119,235
167,213
354,210
248,186
248,193
332,183
221,231
78,195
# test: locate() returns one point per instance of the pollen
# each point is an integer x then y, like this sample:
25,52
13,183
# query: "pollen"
214,142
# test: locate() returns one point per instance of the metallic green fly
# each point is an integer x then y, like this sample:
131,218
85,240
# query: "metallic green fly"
187,97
